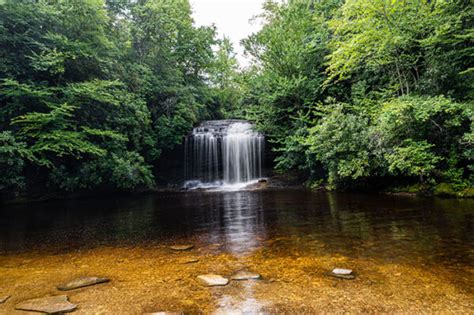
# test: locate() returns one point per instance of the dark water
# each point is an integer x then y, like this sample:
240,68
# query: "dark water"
388,227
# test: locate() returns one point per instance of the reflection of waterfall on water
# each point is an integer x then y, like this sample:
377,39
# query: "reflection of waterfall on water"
243,232
243,222
236,221
223,152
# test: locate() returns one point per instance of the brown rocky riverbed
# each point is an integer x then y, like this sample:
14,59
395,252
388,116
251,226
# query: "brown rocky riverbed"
152,278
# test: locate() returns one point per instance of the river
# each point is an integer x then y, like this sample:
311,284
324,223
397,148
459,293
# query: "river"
409,254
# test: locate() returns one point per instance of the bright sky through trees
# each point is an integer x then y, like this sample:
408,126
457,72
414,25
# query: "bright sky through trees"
231,17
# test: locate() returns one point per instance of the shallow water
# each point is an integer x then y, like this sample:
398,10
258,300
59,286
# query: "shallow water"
409,254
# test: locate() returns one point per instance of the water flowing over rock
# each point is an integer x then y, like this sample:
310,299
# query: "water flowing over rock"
223,152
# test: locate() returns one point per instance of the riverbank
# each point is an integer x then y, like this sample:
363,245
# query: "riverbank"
442,190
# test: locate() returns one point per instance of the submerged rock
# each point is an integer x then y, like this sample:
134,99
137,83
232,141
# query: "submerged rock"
246,275
82,282
4,298
342,273
49,305
213,280
182,247
188,261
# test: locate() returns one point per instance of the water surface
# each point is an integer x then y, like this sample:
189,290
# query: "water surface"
292,237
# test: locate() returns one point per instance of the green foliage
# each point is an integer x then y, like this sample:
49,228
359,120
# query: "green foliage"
412,158
337,141
399,72
54,135
340,143
12,156
122,170
288,72
403,46
92,91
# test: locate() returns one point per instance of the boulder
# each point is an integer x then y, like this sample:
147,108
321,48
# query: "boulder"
49,305
213,280
82,282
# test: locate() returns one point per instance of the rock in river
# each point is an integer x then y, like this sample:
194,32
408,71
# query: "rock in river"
342,273
81,282
212,280
182,247
188,260
4,298
245,275
49,305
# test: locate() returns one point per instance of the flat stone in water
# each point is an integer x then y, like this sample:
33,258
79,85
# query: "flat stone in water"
245,275
213,280
49,305
4,298
82,282
342,273
182,247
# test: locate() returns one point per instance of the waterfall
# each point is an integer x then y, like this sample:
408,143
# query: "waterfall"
223,152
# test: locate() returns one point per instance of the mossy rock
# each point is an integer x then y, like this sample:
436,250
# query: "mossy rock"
449,190
467,193
409,189
444,190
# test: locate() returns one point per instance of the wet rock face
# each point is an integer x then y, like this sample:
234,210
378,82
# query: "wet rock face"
48,305
213,280
81,282
245,275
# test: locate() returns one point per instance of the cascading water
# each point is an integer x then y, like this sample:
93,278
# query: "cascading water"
223,153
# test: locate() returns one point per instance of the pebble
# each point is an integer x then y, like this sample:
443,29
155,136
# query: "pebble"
342,273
